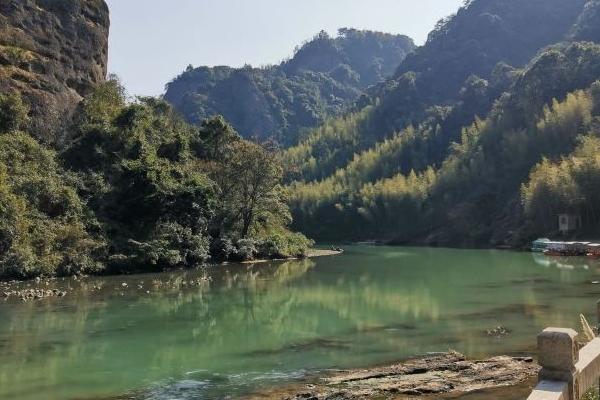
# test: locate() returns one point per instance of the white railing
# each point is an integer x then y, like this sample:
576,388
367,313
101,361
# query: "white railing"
567,372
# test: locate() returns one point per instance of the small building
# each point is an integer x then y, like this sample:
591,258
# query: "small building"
568,223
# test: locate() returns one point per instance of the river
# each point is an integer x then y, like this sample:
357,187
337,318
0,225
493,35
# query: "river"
235,329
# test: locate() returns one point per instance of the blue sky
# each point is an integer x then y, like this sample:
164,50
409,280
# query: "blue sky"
152,41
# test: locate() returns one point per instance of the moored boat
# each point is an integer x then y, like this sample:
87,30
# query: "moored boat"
593,251
567,249
540,245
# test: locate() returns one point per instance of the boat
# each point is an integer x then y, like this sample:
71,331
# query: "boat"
593,251
567,249
555,249
540,245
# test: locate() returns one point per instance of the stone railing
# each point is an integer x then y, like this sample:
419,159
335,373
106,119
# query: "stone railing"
567,372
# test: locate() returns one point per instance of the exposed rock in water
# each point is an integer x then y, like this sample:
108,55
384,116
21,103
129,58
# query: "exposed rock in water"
498,332
440,374
33,294
53,52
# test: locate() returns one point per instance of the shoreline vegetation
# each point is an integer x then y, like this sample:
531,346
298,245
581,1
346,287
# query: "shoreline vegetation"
39,291
136,189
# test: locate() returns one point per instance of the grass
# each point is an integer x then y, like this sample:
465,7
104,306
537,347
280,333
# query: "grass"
591,395
14,37
16,55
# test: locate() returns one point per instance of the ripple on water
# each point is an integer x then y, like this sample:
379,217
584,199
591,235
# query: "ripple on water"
203,385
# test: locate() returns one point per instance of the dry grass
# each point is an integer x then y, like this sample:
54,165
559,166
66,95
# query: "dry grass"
10,36
17,55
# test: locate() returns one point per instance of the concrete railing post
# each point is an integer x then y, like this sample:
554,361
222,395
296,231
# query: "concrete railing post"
598,330
558,354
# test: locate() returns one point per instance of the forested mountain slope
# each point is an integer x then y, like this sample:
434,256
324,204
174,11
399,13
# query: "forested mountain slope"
480,35
588,24
447,152
324,76
466,63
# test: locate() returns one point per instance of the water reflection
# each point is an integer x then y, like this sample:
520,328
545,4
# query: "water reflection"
200,334
116,331
565,263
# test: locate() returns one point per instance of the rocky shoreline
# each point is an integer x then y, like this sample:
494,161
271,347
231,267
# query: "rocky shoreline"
312,253
443,374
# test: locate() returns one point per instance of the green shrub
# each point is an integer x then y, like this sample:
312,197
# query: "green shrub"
138,189
284,245
13,113
221,249
172,246
43,225
246,250
591,395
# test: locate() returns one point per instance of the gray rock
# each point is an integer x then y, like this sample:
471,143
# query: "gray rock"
54,53
439,374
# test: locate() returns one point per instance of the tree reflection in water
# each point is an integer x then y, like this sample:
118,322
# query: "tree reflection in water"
203,333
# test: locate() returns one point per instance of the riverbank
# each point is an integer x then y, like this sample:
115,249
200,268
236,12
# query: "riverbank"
312,253
443,374
323,253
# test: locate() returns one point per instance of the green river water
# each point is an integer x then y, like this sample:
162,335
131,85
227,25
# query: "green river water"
234,329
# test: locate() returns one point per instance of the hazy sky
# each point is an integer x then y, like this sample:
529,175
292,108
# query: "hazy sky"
152,41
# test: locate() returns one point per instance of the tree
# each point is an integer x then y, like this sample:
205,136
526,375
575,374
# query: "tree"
595,91
216,138
255,195
13,113
43,224
104,103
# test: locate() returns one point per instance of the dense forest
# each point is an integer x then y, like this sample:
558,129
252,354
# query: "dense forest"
325,76
484,135
136,189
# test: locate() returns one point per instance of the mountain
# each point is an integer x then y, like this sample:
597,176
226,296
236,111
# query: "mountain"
588,24
459,146
464,66
53,53
481,35
324,77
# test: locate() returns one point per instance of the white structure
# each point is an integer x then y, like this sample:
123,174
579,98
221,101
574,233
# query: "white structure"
567,372
568,223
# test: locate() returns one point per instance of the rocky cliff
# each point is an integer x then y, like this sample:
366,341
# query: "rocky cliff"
52,52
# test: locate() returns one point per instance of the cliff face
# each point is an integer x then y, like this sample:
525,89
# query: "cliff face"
53,52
